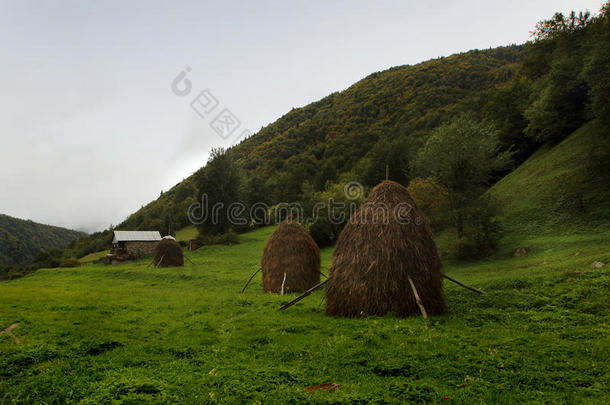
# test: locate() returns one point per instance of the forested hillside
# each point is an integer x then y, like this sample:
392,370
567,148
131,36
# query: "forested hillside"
518,98
384,116
23,240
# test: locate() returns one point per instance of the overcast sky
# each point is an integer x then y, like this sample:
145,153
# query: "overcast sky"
90,126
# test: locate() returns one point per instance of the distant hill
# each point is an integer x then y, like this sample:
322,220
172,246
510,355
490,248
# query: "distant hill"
22,240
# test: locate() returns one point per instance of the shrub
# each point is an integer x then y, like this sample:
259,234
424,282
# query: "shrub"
482,232
69,262
229,238
432,198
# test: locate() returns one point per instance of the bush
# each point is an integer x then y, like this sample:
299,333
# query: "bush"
229,238
323,232
12,272
327,212
4,273
482,232
432,198
69,262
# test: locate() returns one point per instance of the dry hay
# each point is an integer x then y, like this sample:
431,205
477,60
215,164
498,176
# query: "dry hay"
168,253
291,257
386,241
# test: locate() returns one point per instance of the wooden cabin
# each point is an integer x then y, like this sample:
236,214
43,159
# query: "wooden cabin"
134,244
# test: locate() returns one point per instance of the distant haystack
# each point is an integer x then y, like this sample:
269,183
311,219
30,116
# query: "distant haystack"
291,259
168,253
384,253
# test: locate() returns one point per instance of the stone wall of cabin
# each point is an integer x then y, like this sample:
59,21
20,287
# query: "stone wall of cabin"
139,249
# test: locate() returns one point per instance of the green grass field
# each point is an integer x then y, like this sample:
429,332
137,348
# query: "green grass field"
130,333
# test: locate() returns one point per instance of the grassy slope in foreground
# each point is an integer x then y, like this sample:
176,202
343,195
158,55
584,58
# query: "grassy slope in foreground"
560,188
96,334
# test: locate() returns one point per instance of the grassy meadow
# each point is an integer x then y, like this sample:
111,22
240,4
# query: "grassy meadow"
132,333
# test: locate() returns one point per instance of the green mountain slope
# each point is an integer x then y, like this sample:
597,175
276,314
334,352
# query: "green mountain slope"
390,110
393,109
21,240
560,187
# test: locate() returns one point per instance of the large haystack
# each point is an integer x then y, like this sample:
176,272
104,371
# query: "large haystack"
386,241
168,253
291,257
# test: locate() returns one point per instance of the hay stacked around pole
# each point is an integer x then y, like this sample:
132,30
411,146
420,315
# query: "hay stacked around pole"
386,241
168,253
292,252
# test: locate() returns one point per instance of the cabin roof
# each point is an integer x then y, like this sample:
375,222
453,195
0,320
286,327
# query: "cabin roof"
136,236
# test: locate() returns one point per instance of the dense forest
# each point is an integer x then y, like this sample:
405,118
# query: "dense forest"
23,241
474,115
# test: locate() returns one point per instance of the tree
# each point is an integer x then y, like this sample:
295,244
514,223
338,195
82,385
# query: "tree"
218,184
560,107
557,56
395,153
326,212
597,68
505,109
431,197
462,156
561,25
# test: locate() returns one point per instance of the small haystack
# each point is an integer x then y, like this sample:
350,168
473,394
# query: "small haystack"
385,259
168,253
291,259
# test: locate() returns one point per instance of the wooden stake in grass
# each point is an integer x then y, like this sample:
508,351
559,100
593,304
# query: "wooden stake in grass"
160,260
283,283
321,301
187,258
305,294
417,299
462,284
250,279
9,331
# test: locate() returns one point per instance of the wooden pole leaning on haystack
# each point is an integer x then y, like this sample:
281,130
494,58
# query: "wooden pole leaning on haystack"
283,284
250,279
160,260
462,284
305,294
417,299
